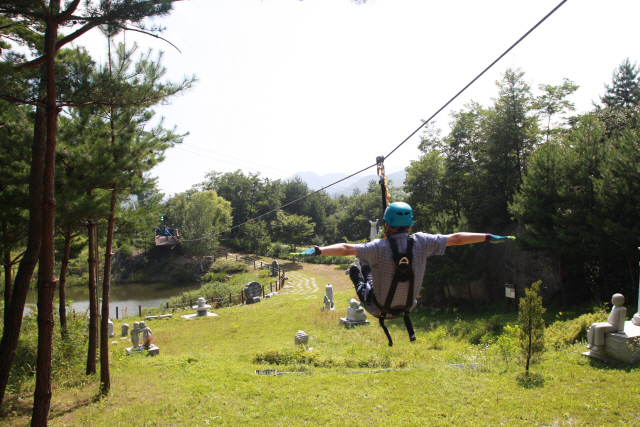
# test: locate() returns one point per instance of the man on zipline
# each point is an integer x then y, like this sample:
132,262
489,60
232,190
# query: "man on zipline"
393,268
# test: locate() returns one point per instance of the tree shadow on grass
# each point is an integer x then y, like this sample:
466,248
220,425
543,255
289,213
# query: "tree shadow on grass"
291,266
530,380
611,365
80,404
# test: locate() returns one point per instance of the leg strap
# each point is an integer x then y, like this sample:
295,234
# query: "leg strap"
386,331
409,326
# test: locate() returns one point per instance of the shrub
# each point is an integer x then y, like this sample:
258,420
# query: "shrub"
215,277
506,345
125,250
562,333
228,267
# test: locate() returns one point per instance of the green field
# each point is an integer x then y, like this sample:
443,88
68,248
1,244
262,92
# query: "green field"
205,374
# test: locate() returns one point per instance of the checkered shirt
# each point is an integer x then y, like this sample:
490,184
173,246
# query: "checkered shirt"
379,255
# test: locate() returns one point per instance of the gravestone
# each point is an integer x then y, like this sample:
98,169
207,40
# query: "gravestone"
301,338
125,330
328,298
252,292
275,268
110,328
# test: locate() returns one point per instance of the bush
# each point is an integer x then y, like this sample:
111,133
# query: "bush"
219,290
562,333
68,358
215,277
125,250
229,267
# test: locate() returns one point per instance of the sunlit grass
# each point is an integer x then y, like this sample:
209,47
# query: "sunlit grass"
205,375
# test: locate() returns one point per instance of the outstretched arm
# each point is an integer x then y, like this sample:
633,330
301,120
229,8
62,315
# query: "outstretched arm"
339,249
468,238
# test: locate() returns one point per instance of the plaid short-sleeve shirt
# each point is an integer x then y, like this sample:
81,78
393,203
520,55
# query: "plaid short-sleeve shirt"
379,255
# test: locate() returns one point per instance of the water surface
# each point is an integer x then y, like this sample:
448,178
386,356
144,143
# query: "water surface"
127,297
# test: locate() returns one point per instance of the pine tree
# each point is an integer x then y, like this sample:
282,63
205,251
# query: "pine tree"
625,88
48,20
531,325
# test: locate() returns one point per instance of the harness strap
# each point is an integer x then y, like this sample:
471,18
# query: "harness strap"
409,326
386,331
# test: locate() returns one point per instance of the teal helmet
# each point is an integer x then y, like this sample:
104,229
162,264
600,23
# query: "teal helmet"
398,214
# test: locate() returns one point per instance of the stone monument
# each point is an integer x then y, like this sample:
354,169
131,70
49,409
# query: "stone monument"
110,328
201,310
328,298
275,268
125,330
616,339
373,233
301,339
356,315
252,292
141,327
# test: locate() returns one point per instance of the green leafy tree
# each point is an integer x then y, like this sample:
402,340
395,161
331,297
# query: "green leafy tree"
532,343
250,196
292,229
553,101
206,215
256,234
625,87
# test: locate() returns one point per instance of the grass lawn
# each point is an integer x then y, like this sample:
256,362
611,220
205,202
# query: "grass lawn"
205,374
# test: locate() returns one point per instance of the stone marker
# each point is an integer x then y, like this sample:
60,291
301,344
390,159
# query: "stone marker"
615,339
201,308
328,298
356,315
110,328
125,330
252,292
301,339
275,268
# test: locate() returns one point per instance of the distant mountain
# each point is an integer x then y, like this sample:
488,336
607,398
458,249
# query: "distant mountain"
346,187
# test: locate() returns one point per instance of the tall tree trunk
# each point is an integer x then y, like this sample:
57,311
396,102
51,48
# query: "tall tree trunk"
93,301
63,281
7,267
46,272
105,379
14,312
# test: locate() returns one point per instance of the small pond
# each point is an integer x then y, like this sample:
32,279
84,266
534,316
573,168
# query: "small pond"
127,297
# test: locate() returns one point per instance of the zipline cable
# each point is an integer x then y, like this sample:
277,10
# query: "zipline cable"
479,75
380,160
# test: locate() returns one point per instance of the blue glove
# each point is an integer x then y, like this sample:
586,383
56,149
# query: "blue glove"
310,251
501,239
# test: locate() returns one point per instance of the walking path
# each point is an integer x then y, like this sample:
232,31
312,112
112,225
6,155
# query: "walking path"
302,284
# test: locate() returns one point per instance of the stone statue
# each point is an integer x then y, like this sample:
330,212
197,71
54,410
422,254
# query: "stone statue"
328,298
146,334
373,233
615,322
355,313
636,319
135,335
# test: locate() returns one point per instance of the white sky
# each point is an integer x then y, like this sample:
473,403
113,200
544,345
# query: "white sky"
327,85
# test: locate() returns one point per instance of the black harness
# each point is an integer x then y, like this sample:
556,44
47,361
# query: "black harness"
403,273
